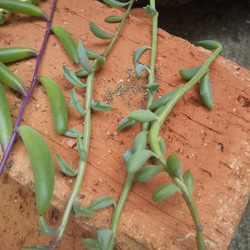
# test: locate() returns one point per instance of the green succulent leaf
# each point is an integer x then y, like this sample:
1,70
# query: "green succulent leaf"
102,202
37,247
206,91
13,81
91,244
83,57
148,172
2,19
125,123
91,54
138,52
72,78
188,179
113,19
100,60
174,166
99,32
16,6
152,87
76,103
162,145
139,68
73,133
100,106
103,237
6,125
45,228
80,210
209,44
82,73
67,41
165,191
142,116
80,148
163,100
138,159
140,141
126,156
63,165
16,54
150,10
116,3
188,74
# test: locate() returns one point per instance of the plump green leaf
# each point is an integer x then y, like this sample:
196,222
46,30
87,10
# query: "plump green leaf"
126,156
57,103
80,148
42,166
72,78
209,44
164,191
13,54
13,81
162,145
80,210
67,41
6,125
116,3
98,32
138,52
76,103
188,179
113,19
83,57
100,60
140,141
142,116
2,19
138,159
73,133
91,244
82,73
125,123
150,10
152,87
45,228
206,91
63,165
23,8
102,202
174,166
37,248
188,74
139,68
100,106
103,237
163,100
91,54
148,172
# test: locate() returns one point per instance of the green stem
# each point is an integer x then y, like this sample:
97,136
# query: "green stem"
82,163
119,29
130,179
119,208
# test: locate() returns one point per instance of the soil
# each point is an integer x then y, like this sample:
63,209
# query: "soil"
214,145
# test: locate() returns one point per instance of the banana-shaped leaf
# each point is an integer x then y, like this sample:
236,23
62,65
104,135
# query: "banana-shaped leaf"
138,53
116,3
148,172
174,166
72,78
16,53
2,19
91,54
42,166
113,19
140,142
67,41
209,44
125,123
103,237
164,191
80,210
102,202
188,179
10,79
82,73
206,91
23,8
63,165
91,244
100,106
142,116
83,57
73,133
139,68
76,103
99,32
6,126
150,10
57,103
188,74
152,87
80,148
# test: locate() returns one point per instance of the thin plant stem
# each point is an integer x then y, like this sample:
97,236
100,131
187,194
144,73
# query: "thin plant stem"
27,97
131,177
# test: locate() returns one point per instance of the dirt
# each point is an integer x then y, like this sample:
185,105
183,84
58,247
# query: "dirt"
214,145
